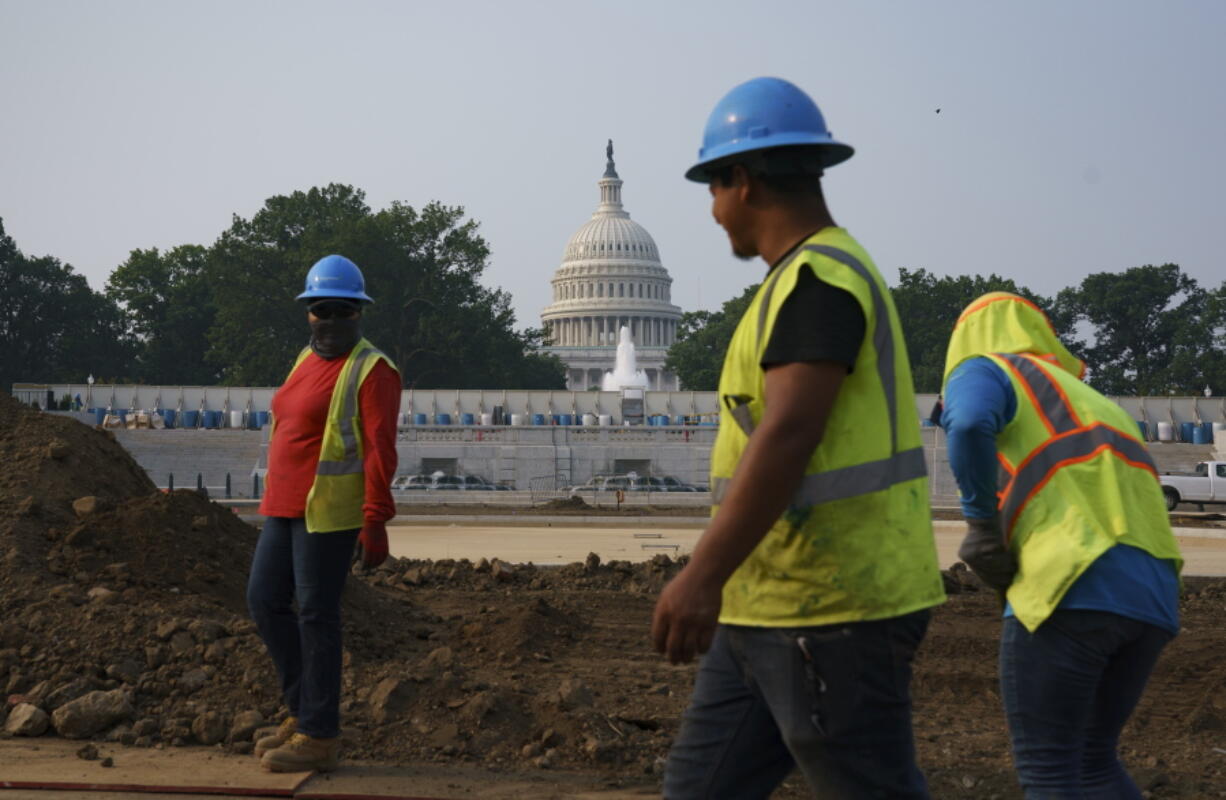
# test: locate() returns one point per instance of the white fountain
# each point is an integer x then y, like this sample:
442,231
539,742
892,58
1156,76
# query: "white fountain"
625,374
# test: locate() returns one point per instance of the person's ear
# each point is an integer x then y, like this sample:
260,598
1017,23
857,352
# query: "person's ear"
742,183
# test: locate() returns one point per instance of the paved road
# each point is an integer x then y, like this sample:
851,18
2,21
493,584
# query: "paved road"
1204,549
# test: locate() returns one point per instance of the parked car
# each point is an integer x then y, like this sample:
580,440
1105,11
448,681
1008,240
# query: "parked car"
631,483
1206,485
418,483
405,483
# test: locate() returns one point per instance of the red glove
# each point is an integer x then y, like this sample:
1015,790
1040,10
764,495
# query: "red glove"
372,545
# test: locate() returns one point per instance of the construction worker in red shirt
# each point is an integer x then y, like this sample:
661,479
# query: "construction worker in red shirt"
331,459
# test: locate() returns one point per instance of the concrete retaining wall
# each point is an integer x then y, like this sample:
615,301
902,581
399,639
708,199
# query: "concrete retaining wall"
538,461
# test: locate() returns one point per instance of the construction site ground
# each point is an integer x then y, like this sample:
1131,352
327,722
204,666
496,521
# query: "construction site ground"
513,664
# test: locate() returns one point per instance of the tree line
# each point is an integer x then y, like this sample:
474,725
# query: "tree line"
224,313
1148,330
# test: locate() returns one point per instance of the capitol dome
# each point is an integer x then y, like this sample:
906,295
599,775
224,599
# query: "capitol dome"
610,277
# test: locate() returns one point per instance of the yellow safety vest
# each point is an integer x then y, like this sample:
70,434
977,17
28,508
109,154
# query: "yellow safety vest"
856,542
1080,482
1076,479
336,497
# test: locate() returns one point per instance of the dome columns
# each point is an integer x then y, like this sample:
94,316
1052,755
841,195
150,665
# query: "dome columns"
602,330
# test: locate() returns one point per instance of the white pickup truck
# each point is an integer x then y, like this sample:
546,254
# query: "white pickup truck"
1206,485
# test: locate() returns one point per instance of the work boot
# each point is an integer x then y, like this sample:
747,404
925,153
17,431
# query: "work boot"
303,753
285,730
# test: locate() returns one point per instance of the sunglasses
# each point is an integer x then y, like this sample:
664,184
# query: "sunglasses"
333,309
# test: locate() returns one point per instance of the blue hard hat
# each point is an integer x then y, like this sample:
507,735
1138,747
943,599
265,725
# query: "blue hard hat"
335,276
761,114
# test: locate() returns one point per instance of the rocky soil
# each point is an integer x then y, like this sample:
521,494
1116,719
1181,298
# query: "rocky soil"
122,621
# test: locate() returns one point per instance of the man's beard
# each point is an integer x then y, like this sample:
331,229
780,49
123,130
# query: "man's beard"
743,253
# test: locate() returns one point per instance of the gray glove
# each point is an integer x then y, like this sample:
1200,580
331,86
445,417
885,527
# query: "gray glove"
985,552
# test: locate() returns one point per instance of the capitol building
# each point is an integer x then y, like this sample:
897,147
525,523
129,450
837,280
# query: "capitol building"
611,276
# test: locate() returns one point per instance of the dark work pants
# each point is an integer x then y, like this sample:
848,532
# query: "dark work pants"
834,700
291,564
1068,689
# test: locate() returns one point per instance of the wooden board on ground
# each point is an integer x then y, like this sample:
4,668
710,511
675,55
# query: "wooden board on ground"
53,764
453,782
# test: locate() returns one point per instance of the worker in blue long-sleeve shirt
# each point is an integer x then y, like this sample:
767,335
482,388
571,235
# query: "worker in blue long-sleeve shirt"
1066,519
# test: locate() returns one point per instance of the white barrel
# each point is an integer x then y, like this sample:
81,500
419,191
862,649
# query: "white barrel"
589,419
1219,426
236,419
487,419
605,419
518,419
1166,432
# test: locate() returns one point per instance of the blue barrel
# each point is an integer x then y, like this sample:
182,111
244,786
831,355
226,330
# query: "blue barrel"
190,419
538,419
99,415
566,419
1144,428
1185,431
212,419
468,419
555,419
262,418
419,419
1202,436
168,417
442,419
679,419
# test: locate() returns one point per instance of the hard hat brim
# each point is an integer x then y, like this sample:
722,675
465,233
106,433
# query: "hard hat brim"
337,293
830,153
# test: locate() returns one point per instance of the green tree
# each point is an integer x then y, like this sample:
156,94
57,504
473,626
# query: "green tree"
169,307
1214,328
441,326
433,317
256,269
928,306
1152,330
697,356
53,327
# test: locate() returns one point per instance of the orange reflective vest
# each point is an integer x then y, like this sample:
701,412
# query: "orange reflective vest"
1080,481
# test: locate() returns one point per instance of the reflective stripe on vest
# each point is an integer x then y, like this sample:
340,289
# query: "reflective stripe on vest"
853,481
1071,442
1048,399
352,462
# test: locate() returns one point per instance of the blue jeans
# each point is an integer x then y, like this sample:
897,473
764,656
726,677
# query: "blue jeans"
1068,689
835,700
291,564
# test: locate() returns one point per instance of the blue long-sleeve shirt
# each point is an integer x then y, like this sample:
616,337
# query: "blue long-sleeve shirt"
979,402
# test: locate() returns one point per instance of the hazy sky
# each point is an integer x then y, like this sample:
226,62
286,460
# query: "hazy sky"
1073,137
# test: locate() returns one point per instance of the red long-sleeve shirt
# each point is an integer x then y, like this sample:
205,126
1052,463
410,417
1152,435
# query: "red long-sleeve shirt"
300,408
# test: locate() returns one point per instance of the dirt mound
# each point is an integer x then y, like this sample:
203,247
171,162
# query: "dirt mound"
55,460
